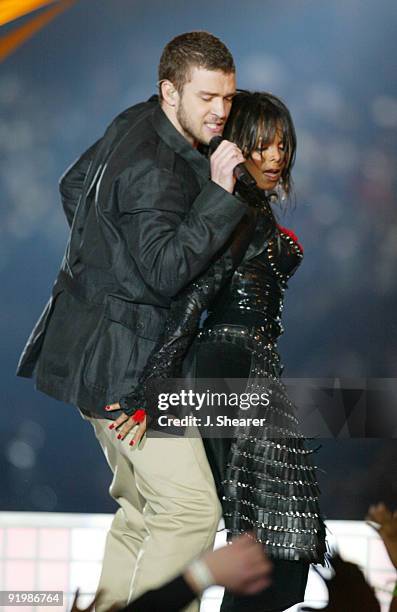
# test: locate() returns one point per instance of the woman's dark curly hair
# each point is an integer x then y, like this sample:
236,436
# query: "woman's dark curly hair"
253,122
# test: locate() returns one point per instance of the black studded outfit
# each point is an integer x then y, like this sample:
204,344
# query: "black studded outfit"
267,478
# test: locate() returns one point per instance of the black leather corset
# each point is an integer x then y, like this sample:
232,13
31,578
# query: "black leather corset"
255,294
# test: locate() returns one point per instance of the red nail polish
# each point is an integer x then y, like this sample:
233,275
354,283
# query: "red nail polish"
118,437
111,426
132,442
107,407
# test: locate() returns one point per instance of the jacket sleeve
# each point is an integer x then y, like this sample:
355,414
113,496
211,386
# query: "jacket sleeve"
170,242
72,181
165,360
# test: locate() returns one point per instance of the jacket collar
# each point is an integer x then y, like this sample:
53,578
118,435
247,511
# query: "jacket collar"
170,135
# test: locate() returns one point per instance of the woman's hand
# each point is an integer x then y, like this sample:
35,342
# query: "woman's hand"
127,423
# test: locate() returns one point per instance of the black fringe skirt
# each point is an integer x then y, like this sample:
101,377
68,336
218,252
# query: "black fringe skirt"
268,479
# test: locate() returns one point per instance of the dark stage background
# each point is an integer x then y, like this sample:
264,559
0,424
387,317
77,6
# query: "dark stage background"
334,64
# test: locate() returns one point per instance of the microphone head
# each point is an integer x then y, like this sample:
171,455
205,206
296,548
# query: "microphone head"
214,144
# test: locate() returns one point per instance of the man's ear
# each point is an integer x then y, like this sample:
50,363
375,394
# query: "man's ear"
169,92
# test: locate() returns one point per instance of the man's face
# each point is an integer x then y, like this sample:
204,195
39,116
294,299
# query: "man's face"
204,104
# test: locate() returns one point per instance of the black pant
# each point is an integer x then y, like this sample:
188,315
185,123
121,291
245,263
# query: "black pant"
225,360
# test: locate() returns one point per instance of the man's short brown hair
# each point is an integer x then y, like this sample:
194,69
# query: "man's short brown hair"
193,49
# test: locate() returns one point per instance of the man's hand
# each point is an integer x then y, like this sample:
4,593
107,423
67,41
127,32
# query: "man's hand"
223,162
127,424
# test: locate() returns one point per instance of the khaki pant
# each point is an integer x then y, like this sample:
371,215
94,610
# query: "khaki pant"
169,512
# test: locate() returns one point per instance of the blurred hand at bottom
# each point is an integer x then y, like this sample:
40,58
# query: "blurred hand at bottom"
348,590
241,567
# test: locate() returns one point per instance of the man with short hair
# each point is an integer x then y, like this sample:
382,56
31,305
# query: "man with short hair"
147,214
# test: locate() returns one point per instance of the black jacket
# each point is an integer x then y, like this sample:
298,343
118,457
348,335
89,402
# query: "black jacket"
145,220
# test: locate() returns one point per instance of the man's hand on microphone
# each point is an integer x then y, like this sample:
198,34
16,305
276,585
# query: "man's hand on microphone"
223,162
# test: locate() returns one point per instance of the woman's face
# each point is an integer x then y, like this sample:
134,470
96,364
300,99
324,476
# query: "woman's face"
267,162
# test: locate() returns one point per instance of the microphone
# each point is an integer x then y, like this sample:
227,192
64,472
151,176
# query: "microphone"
240,171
